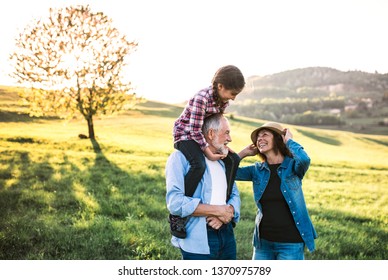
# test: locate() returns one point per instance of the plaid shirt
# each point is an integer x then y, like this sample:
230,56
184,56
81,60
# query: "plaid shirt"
189,124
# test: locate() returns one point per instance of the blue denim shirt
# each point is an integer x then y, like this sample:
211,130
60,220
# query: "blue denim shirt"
179,204
291,173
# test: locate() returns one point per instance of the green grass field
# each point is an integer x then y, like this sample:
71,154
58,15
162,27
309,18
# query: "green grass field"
66,198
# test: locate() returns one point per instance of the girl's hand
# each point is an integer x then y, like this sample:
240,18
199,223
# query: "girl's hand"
212,156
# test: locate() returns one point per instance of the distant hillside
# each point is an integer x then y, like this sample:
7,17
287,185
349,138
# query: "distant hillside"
318,96
322,79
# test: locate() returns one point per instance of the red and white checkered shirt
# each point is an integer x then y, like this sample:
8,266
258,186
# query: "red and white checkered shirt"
189,124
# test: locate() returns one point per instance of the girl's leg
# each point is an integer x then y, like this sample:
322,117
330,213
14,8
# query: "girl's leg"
195,157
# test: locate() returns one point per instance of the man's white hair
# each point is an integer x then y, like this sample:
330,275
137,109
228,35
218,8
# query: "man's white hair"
212,122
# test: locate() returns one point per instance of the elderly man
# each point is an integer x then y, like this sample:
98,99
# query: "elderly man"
213,209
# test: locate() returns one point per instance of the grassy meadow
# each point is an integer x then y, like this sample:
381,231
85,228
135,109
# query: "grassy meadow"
65,198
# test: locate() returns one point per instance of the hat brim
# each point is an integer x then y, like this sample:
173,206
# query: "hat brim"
256,131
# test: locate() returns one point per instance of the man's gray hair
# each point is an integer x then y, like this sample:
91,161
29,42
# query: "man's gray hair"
212,122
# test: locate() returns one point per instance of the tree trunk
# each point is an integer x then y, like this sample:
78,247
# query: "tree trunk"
91,128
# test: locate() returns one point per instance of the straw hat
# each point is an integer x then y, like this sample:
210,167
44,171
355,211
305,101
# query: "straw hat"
273,126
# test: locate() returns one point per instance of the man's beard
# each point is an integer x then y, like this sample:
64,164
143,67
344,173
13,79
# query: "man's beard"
220,147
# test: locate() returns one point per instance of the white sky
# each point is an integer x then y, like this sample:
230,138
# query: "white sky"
183,42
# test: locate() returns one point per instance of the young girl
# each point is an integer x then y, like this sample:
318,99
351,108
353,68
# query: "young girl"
227,83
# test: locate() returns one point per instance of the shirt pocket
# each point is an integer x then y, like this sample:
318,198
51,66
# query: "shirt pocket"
293,182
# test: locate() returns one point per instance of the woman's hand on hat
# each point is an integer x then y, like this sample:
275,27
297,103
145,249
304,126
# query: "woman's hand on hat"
287,135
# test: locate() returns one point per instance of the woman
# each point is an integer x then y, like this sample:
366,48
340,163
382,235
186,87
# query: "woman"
283,226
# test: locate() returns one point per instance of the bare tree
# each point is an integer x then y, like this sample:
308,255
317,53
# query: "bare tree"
72,64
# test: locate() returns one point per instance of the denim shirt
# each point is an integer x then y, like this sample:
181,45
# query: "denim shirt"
291,173
178,204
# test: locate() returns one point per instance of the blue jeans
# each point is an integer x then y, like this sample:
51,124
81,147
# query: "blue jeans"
222,245
278,251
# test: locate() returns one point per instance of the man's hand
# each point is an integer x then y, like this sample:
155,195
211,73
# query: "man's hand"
214,222
225,216
226,213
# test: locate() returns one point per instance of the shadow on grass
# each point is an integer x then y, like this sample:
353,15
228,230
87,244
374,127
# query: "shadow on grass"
8,116
381,142
62,211
341,236
321,138
57,206
345,236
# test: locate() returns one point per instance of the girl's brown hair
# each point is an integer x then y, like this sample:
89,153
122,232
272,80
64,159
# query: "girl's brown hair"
230,77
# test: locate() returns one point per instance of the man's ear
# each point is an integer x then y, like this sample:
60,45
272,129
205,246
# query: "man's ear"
210,134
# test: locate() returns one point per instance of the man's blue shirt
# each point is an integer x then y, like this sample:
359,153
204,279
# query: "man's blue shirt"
178,204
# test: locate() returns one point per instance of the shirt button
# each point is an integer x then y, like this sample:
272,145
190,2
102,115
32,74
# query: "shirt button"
293,212
289,201
284,191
